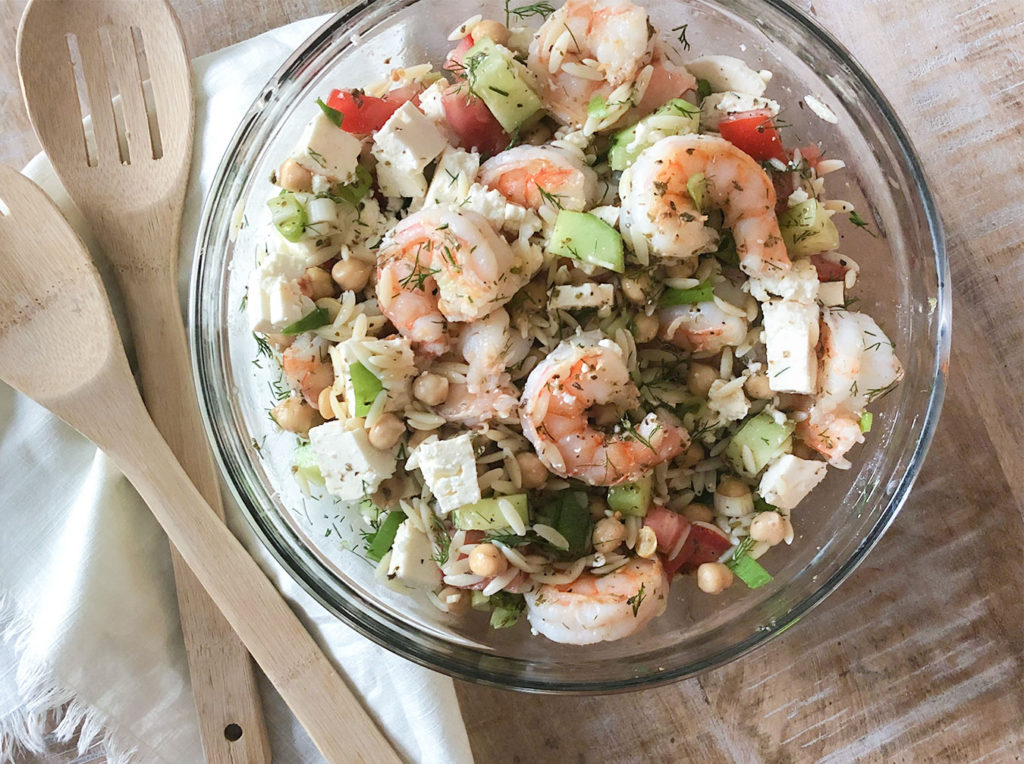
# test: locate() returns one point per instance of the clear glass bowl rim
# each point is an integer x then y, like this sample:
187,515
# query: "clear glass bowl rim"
460,662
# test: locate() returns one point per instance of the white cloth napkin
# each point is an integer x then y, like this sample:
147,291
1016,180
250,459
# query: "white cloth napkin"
88,615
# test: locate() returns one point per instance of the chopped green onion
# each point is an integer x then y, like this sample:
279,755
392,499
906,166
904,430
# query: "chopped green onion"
288,215
697,187
365,386
313,320
332,114
354,192
703,89
865,421
749,571
702,293
380,542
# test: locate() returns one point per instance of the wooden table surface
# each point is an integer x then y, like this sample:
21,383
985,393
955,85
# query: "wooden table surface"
920,655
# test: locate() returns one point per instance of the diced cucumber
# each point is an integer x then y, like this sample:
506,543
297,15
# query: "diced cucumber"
703,292
631,498
627,144
502,83
288,215
507,608
485,514
569,514
480,601
365,387
865,421
765,438
313,320
378,543
305,465
807,229
588,238
354,192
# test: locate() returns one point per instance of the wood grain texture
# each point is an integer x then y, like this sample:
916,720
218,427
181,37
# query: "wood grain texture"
920,655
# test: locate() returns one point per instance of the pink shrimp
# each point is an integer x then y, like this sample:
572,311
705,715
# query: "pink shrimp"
530,175
307,367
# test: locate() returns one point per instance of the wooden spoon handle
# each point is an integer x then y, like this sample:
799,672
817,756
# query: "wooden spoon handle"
334,718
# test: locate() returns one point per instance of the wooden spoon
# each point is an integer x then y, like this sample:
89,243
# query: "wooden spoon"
131,187
53,308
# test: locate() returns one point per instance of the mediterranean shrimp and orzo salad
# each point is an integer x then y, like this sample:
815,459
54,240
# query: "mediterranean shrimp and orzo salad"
564,318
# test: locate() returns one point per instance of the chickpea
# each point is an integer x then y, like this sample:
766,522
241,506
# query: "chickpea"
351,275
698,513
757,386
608,534
733,497
802,451
694,454
323,404
700,377
294,177
295,415
532,470
432,389
493,29
320,283
456,600
646,327
713,577
732,487
633,289
386,431
682,270
768,527
598,507
646,542
487,560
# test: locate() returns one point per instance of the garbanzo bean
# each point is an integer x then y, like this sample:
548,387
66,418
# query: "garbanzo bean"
608,534
323,404
713,577
386,431
320,283
756,386
294,177
646,327
295,415
697,513
351,275
699,378
694,454
493,29
768,527
487,560
532,470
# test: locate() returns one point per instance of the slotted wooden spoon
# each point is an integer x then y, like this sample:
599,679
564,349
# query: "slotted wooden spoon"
130,183
53,308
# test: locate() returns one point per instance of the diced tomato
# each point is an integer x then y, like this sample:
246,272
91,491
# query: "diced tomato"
667,82
812,154
755,133
364,114
784,186
829,270
707,543
672,530
453,61
473,122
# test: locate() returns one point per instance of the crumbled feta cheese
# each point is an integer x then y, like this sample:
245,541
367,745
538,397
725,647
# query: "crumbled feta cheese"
831,294
718,106
501,213
351,467
449,469
727,73
454,175
412,559
569,297
609,214
406,144
789,479
800,282
799,196
273,298
727,399
325,149
791,334
432,106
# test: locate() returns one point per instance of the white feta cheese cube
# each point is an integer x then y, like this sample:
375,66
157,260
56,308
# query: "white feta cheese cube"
449,468
351,467
717,106
727,73
608,213
832,294
454,175
412,559
406,144
501,213
271,304
799,282
789,479
569,297
325,149
432,106
791,334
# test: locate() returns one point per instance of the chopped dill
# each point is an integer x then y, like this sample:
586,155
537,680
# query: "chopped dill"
637,600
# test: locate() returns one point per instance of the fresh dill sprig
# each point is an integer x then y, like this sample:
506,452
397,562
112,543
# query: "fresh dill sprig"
858,221
631,432
526,11
682,35
637,600
549,197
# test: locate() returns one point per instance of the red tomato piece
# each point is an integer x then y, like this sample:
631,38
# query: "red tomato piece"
453,61
672,531
473,122
707,544
828,270
364,114
755,133
812,154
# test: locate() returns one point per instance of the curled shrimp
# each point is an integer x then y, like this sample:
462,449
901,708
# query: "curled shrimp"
586,49
581,374
530,175
658,209
307,367
440,265
702,326
600,608
857,364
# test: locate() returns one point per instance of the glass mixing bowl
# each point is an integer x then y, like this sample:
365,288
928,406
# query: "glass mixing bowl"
904,285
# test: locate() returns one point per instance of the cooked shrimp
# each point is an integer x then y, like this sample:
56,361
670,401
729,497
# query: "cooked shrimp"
578,375
657,206
589,48
440,265
307,366
530,175
703,326
856,365
600,608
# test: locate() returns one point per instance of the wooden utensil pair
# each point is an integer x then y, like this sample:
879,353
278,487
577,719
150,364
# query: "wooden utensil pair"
129,180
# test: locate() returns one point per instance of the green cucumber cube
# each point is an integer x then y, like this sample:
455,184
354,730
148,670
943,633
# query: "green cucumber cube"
625,147
765,438
485,515
501,83
631,498
807,229
586,237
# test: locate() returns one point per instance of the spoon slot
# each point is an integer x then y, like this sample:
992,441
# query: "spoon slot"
146,83
116,95
4,209
82,94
